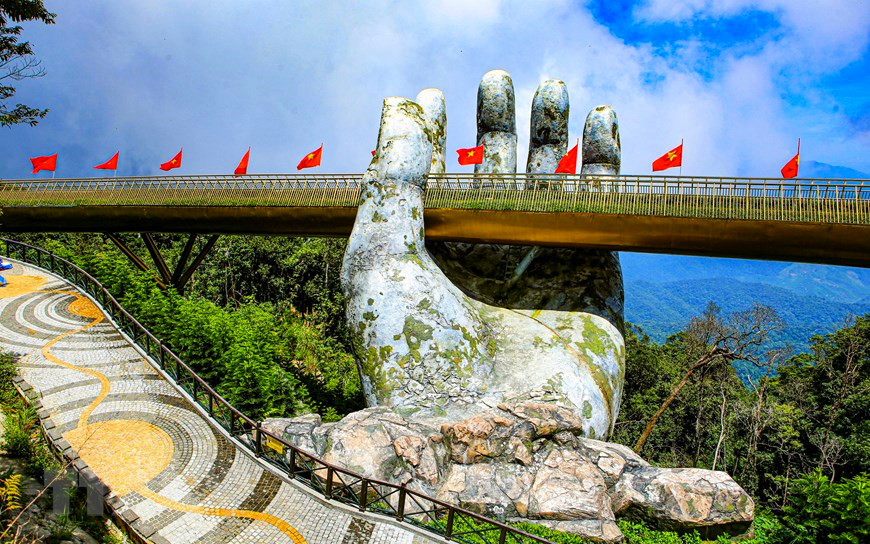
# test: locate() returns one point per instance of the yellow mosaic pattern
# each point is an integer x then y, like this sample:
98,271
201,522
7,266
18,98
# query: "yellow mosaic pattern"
125,454
279,524
20,285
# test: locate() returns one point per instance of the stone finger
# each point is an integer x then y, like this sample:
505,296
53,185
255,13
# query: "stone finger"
602,151
390,216
548,140
496,123
435,112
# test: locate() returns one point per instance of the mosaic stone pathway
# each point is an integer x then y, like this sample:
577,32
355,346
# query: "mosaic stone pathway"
170,472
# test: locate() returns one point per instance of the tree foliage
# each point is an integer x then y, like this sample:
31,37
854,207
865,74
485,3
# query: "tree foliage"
823,512
16,58
711,340
270,348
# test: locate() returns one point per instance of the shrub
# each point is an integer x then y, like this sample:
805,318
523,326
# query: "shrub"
19,428
822,511
637,533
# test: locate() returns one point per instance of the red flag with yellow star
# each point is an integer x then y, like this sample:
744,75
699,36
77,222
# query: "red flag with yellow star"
471,155
790,170
672,158
111,164
568,163
312,159
174,162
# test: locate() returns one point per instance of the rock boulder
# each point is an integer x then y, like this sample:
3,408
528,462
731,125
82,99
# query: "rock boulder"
526,462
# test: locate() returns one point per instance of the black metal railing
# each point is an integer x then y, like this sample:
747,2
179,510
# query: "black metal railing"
331,481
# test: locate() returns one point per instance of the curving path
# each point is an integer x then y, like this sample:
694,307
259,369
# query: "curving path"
172,474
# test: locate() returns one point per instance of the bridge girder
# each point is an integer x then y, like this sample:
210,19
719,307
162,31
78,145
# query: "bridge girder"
825,243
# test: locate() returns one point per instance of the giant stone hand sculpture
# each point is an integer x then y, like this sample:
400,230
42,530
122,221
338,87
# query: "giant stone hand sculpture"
481,325
489,368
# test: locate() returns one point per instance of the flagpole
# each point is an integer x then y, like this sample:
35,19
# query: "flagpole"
681,157
577,145
798,156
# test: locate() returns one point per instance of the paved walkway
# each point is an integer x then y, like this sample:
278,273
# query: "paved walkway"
170,470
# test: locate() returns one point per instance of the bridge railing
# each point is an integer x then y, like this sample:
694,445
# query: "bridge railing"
805,200
331,481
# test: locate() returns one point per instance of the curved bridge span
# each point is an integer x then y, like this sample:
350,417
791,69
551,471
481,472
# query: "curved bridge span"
808,220
173,460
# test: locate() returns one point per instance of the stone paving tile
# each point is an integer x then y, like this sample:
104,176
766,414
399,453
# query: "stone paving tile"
165,466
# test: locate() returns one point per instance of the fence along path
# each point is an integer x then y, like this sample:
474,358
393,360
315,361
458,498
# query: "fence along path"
833,201
169,464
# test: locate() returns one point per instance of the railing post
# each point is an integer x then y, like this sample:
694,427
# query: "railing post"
194,391
292,462
258,440
328,494
363,494
400,511
448,531
502,535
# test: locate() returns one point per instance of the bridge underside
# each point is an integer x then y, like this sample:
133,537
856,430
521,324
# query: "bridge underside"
840,244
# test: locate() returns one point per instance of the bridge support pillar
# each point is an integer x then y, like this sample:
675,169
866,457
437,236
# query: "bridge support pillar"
182,273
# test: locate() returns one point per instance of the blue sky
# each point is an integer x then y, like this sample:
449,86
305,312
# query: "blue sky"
739,80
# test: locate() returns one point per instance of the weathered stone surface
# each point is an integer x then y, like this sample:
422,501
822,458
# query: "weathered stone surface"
527,461
611,459
427,348
435,114
480,438
684,498
296,431
548,140
602,150
496,124
569,487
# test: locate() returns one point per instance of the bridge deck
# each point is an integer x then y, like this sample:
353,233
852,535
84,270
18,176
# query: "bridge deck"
796,220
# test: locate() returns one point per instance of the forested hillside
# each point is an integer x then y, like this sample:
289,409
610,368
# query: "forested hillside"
663,309
664,291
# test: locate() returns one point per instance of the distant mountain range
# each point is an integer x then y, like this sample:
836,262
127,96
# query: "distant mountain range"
662,292
815,169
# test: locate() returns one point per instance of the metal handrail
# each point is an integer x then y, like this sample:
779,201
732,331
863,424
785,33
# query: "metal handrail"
331,481
839,201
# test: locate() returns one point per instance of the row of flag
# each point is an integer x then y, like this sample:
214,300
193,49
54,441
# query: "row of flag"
467,156
674,158
49,162
671,159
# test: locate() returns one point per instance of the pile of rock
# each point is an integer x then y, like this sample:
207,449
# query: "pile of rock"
525,462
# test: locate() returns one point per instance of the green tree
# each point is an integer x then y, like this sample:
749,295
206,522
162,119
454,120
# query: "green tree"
16,58
711,341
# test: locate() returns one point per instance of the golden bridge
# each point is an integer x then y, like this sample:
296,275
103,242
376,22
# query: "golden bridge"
806,220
